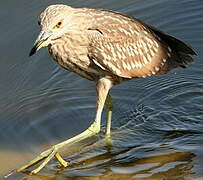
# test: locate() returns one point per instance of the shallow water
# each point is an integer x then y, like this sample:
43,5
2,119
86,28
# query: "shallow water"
157,122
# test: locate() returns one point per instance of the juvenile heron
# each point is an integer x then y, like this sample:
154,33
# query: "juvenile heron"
108,48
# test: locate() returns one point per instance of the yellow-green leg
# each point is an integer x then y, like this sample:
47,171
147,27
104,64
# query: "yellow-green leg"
109,108
102,87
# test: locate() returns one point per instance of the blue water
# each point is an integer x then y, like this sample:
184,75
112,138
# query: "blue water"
157,121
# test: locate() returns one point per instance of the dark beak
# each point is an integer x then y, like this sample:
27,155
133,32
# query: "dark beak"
42,41
35,48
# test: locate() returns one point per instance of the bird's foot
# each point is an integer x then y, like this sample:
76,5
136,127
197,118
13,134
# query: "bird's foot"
46,156
54,150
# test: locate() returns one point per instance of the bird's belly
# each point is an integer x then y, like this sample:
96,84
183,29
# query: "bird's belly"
68,64
81,65
78,70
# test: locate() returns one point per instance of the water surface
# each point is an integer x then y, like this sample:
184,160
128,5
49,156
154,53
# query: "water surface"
157,122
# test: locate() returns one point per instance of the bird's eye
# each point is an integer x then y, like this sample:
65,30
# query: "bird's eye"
58,25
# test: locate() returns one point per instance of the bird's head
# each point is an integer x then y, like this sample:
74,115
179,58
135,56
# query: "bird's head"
53,22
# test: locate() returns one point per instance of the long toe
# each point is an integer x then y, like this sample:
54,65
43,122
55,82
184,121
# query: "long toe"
46,156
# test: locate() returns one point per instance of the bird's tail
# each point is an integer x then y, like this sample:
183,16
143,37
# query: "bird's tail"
182,52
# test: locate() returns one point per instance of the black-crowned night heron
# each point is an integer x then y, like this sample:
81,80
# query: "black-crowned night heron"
106,47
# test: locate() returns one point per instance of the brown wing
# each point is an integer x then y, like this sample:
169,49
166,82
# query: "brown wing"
126,47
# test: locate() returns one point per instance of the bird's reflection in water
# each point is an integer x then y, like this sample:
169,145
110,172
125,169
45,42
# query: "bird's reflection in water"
172,165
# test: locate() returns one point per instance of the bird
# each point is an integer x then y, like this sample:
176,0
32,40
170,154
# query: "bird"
108,48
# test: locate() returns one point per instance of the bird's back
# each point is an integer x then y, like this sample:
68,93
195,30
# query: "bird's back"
109,43
130,48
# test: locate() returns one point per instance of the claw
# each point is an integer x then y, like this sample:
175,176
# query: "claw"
9,174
